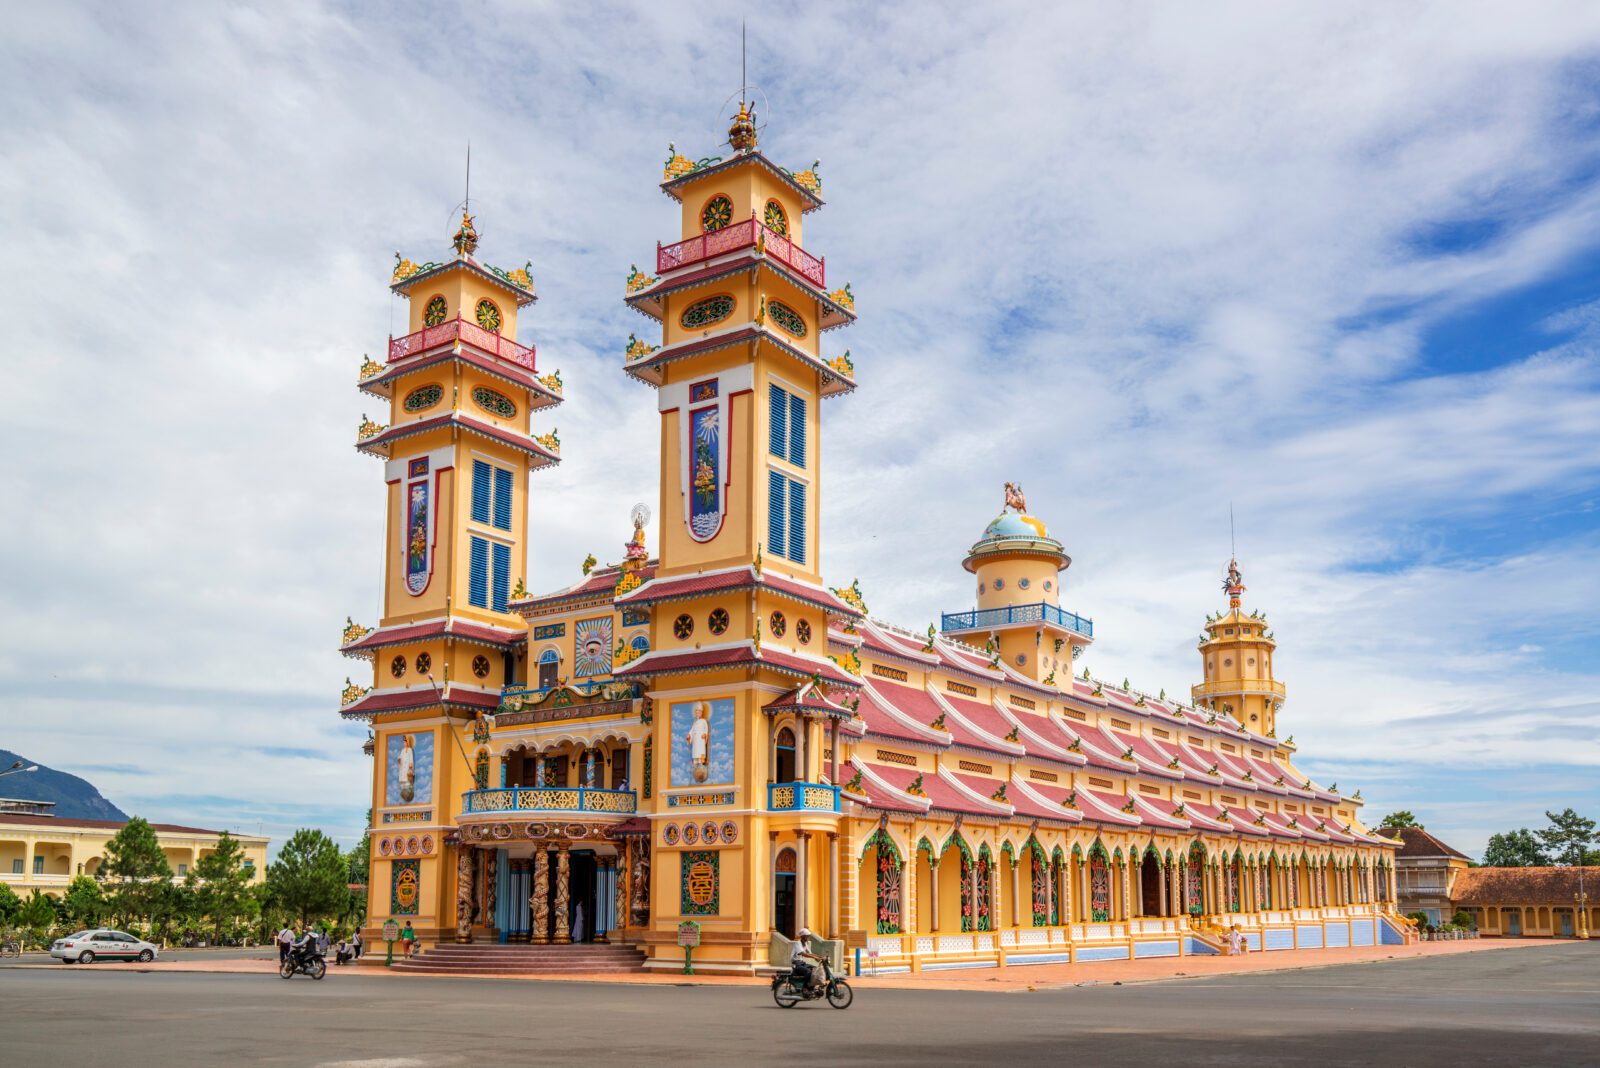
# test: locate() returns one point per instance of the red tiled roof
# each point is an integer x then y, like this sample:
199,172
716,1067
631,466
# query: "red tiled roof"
1150,758
983,787
1419,843
398,700
601,581
657,662
680,587
1102,807
1522,886
377,444
919,705
1053,795
898,778
31,820
946,796
498,368
987,719
483,633
806,698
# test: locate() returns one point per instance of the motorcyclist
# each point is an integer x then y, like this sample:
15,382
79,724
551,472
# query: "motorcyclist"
306,947
801,961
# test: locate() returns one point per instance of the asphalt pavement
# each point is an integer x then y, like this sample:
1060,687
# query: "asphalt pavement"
1540,1007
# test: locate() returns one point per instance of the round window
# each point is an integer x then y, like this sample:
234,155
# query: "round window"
802,630
435,312
779,625
1047,585
1022,583
480,666
683,626
488,315
787,318
775,218
717,213
423,397
397,667
424,663
494,402
708,312
999,584
718,621
1022,658
1228,662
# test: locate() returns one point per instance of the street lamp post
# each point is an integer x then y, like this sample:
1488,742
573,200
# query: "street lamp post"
1581,899
17,767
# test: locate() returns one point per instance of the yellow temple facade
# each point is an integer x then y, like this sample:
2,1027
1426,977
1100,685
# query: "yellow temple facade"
714,734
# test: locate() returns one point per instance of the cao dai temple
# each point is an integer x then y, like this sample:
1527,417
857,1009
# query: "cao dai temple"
715,734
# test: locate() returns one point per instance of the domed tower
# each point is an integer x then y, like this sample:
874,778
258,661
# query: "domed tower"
1236,651
1019,618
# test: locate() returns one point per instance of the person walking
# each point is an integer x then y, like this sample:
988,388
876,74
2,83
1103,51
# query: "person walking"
285,939
355,942
408,938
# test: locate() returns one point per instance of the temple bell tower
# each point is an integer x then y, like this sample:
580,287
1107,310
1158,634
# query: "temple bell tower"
1236,653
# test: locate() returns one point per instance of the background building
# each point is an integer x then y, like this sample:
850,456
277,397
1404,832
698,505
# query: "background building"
1425,870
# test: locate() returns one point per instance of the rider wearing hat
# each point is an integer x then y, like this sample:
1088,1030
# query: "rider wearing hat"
801,958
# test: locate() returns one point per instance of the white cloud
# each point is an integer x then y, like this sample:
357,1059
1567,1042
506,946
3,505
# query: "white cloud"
1132,258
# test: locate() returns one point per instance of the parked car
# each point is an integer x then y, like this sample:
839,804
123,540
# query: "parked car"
86,947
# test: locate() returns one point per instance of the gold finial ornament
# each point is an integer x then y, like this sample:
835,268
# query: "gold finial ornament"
742,134
466,240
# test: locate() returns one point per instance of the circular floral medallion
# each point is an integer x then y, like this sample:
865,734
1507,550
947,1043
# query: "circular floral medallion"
494,402
779,625
480,666
424,663
691,834
427,843
709,832
397,667
773,215
683,626
435,312
669,836
730,831
488,315
802,630
383,847
787,318
703,313
718,621
422,398
413,845
717,213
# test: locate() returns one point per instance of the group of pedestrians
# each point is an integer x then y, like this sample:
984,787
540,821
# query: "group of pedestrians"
297,940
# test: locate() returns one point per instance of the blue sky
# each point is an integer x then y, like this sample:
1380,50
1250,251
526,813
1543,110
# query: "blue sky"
1334,265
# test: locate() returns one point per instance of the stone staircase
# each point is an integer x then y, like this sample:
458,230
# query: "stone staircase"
487,958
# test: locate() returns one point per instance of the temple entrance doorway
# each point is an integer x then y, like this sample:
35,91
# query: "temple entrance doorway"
783,893
1514,923
581,920
1150,885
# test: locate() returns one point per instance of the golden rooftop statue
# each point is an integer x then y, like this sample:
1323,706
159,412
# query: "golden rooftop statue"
742,134
466,240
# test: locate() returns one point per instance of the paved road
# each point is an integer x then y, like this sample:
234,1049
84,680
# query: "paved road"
1524,1008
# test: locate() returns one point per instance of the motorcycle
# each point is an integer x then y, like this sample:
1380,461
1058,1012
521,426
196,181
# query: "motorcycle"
790,989
304,962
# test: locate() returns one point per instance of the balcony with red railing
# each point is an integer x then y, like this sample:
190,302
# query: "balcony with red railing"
741,235
452,330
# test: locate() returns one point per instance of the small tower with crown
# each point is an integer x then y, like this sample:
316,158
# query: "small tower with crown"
1019,617
1236,652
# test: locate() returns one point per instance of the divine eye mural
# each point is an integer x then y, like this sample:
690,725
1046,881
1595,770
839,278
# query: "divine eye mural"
705,497
702,742
592,655
409,759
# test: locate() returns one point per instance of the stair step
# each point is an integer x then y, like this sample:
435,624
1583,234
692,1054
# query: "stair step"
491,958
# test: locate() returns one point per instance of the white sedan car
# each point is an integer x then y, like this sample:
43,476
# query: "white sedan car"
86,947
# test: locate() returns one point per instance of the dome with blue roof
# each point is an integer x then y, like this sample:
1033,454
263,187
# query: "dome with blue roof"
1015,525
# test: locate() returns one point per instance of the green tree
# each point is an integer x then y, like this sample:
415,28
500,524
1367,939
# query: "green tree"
310,878
361,856
1514,849
1395,821
84,902
1568,837
38,912
222,886
10,904
136,873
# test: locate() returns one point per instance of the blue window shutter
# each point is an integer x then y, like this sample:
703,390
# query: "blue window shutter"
778,413
797,431
776,528
502,576
797,522
478,573
502,498
480,491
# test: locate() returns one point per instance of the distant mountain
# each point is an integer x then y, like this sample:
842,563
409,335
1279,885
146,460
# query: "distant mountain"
75,798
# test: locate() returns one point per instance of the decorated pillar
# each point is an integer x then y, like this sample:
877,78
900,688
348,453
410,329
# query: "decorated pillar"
602,897
491,876
833,884
1016,891
639,883
933,902
624,867
563,896
539,903
464,869
802,872
833,751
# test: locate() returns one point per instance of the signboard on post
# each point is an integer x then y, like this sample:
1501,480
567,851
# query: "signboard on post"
688,938
391,931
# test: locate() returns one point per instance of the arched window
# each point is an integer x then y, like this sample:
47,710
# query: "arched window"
549,668
783,875
784,757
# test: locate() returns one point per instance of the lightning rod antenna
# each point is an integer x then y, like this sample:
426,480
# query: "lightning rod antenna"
466,204
743,77
1233,550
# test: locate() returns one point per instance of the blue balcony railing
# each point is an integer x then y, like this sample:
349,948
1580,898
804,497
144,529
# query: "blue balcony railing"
549,799
802,797
1017,613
